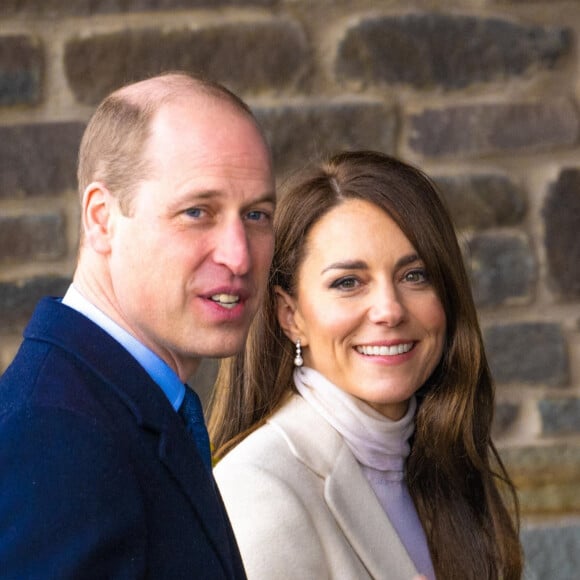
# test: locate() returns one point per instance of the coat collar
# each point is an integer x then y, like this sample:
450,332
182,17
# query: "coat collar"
347,493
62,326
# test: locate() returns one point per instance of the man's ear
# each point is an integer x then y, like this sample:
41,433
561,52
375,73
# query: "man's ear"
288,317
99,208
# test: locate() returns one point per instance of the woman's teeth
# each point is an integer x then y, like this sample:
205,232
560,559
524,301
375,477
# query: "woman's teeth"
385,350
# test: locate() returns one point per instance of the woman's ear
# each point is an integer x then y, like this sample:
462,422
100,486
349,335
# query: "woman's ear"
288,317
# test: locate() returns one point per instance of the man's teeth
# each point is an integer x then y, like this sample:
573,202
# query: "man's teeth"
385,350
226,300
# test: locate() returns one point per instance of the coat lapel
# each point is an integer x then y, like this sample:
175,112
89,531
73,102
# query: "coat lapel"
363,521
347,493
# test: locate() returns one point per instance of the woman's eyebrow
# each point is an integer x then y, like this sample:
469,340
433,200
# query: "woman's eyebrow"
347,265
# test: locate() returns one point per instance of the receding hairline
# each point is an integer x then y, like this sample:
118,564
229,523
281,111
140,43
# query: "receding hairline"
155,92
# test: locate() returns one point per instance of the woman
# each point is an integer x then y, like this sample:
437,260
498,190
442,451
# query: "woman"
355,430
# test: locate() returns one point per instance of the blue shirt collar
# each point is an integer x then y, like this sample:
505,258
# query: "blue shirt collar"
155,367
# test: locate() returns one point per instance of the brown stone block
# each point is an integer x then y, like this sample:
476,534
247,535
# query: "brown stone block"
248,57
482,201
38,159
18,299
31,237
88,7
302,132
547,477
561,214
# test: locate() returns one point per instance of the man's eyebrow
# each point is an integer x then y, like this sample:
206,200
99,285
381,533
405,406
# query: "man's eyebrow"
269,197
208,194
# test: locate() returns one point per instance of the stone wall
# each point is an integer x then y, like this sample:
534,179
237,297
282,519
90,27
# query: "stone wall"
482,94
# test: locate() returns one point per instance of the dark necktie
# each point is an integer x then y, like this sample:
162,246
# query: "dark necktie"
192,414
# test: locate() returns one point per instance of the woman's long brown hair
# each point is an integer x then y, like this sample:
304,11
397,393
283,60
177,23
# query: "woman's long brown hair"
454,473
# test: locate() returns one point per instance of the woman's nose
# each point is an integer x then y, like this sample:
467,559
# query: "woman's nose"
387,307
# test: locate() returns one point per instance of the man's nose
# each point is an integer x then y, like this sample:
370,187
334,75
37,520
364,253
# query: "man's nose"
232,248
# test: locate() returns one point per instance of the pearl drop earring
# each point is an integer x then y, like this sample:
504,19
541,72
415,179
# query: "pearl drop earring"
298,360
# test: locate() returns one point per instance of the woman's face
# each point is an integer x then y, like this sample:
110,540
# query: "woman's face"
365,311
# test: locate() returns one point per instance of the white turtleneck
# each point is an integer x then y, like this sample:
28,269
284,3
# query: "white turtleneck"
381,447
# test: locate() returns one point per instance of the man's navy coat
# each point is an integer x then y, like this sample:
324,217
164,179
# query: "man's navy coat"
99,478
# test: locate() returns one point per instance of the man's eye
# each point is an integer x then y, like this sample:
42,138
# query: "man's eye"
258,215
195,212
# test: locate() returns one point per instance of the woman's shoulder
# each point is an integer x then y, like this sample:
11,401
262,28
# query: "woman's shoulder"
262,445
295,433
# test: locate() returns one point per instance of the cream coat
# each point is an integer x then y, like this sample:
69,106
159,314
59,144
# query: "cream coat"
301,507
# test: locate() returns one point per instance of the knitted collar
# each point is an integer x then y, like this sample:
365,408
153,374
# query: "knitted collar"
374,440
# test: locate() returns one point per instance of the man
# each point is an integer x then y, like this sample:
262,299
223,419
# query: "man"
100,476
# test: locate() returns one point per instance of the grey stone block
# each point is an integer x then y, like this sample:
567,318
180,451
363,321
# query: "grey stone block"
552,551
446,50
560,416
534,353
504,417
502,268
21,70
486,129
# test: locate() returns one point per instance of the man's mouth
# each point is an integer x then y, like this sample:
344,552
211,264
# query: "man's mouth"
228,301
385,350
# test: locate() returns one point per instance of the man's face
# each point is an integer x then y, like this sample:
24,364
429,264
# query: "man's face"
189,264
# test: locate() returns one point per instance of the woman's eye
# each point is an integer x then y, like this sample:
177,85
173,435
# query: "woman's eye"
345,283
415,276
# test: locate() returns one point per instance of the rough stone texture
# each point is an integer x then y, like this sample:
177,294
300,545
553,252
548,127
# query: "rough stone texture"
21,70
18,299
305,131
248,57
39,236
482,201
560,416
562,238
552,551
87,7
427,49
533,353
504,417
38,159
484,129
547,477
502,268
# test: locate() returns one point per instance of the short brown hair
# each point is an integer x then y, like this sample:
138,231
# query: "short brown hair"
113,145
